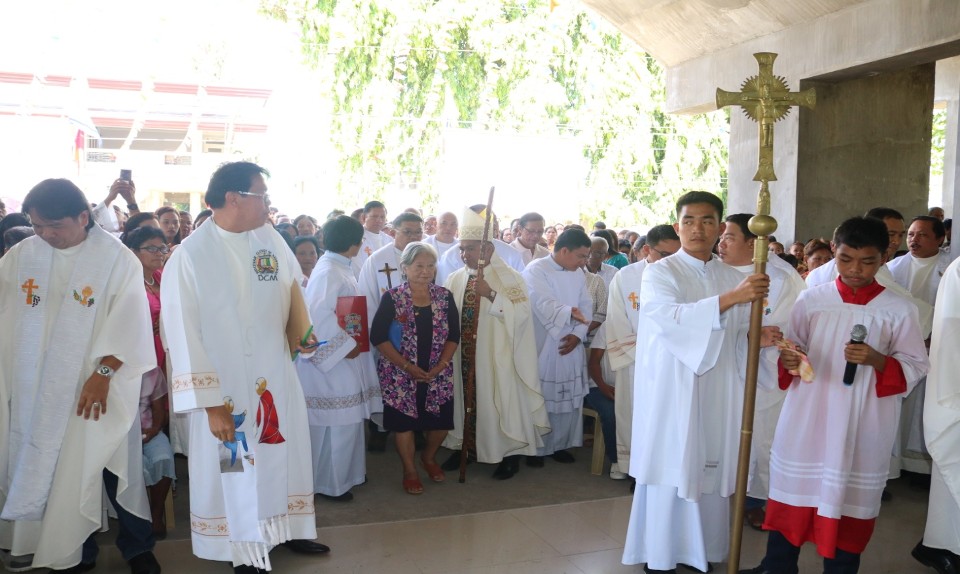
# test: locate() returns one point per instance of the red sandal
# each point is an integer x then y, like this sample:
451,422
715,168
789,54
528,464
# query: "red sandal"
434,471
413,485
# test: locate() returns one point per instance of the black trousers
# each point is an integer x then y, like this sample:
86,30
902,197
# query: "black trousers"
782,558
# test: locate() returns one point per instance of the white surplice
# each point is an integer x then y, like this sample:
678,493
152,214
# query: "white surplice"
451,261
539,251
832,446
554,293
341,393
941,417
368,246
785,286
920,276
226,298
511,414
121,326
623,313
688,398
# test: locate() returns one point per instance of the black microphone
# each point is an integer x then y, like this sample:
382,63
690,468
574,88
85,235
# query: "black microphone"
857,335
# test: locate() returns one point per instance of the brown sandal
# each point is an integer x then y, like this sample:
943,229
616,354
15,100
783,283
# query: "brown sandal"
433,471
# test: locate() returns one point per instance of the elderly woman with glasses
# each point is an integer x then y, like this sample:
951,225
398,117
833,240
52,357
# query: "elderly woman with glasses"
149,245
417,329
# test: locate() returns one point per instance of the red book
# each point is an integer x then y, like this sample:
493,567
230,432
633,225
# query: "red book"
352,318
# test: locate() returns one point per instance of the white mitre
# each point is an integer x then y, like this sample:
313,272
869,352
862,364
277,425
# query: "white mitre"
471,225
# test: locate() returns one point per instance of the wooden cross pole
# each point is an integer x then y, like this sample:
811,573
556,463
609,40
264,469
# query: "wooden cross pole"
765,99
388,271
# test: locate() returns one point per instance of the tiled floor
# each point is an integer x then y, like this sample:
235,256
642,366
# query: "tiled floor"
576,538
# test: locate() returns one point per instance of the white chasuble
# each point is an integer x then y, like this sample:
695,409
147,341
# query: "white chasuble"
511,414
941,417
785,286
688,398
69,308
832,445
226,300
623,313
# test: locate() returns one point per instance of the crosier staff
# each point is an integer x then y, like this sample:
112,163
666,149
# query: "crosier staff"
470,349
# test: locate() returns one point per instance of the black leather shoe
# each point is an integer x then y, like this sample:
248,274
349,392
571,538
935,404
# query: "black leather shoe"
305,547
943,561
652,571
563,456
453,462
145,563
535,461
692,569
757,570
81,567
504,470
247,569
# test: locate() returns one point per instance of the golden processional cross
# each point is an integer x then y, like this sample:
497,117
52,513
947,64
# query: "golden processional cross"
765,99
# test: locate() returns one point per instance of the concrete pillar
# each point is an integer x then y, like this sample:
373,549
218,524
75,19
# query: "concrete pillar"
866,144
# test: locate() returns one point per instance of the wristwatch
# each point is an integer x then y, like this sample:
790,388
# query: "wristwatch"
133,206
106,371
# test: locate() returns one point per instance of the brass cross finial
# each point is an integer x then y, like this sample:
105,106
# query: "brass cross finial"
766,99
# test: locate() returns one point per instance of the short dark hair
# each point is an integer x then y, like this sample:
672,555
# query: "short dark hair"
336,213
532,216
141,235
135,221
15,235
231,176
692,197
204,213
282,229
789,259
301,239
57,199
342,233
742,220
612,240
370,205
572,239
356,213
882,213
599,225
815,245
939,229
406,216
660,233
639,243
860,232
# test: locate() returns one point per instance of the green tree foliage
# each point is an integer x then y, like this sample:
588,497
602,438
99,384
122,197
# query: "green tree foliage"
399,71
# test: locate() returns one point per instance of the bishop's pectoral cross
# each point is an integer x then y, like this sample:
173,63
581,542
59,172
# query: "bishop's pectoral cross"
766,99
387,270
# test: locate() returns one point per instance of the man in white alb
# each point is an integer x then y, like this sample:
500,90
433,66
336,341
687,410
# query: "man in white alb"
562,311
688,395
530,228
446,235
736,250
623,314
230,290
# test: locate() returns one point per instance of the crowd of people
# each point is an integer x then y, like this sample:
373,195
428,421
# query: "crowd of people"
451,331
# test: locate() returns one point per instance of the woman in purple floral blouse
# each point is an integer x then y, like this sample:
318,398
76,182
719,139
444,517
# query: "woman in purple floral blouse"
417,329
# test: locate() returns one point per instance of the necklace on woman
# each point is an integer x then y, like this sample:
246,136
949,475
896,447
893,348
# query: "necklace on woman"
151,282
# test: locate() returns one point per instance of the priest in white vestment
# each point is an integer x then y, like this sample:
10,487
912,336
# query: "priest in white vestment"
623,314
736,250
562,311
451,260
70,388
830,455
527,243
374,219
511,416
941,426
229,294
919,272
339,381
445,238
688,395
595,264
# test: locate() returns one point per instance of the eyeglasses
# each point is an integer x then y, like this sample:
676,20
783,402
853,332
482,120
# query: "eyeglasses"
533,231
663,253
265,197
154,249
411,232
